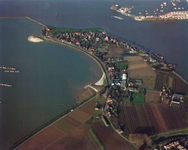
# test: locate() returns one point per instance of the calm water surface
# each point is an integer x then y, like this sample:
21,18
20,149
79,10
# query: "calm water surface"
51,77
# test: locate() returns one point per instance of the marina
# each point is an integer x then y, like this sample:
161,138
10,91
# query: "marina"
164,12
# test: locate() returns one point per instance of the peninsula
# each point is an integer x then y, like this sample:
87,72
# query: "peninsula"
140,101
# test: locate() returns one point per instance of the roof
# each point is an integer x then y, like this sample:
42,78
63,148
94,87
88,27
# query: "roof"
177,97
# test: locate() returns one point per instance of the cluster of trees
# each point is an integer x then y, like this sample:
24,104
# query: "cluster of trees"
140,139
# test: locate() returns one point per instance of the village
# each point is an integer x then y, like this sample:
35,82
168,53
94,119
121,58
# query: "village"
142,90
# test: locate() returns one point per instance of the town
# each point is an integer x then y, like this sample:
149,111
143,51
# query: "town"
157,16
143,93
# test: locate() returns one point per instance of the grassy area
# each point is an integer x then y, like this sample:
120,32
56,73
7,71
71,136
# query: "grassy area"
71,30
125,100
169,136
105,83
101,100
138,97
97,113
172,133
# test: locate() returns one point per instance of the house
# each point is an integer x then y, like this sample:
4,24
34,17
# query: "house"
124,76
109,100
132,89
97,107
48,29
176,99
77,43
110,67
123,84
138,82
106,38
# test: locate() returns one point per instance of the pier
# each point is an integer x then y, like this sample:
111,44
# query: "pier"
26,18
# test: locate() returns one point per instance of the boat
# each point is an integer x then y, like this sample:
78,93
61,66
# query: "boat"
5,85
8,68
12,71
138,19
118,17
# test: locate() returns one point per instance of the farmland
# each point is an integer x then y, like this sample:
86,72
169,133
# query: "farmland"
164,78
111,139
92,141
115,51
152,96
179,85
66,133
151,118
170,79
139,69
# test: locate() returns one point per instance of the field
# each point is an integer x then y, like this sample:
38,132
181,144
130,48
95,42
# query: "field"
170,79
92,141
179,85
139,69
152,96
138,97
164,78
66,134
151,118
87,93
115,51
110,138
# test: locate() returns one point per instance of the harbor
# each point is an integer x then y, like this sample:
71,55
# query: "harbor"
160,14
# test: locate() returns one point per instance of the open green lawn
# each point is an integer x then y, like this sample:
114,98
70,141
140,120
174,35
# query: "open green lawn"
97,113
101,100
138,97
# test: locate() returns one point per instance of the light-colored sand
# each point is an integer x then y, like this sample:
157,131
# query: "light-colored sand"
35,39
101,81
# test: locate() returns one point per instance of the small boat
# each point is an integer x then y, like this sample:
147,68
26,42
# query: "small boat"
118,17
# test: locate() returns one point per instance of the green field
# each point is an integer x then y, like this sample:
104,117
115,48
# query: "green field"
71,30
138,97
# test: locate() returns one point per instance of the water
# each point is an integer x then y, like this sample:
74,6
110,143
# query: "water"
51,77
167,39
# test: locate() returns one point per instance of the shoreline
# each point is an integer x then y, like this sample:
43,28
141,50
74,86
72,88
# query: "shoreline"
100,63
90,55
68,110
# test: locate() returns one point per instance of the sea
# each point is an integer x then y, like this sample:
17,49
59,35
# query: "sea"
52,75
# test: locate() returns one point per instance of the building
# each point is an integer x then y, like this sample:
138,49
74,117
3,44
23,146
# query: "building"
176,99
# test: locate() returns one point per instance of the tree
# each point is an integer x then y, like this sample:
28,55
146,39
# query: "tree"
148,140
140,139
